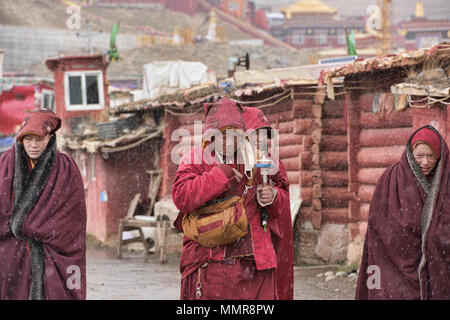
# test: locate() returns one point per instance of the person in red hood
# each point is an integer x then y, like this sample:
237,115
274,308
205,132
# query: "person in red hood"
407,245
42,217
257,124
244,269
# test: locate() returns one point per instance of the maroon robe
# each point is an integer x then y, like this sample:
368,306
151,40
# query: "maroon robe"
408,234
42,227
244,269
281,228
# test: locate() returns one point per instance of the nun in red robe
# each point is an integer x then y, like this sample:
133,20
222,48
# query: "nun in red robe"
406,253
244,269
281,228
42,217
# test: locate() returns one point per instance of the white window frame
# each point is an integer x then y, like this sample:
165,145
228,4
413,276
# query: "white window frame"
51,93
322,38
84,106
341,39
233,6
298,38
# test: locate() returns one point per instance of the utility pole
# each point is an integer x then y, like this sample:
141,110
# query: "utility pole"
89,43
384,42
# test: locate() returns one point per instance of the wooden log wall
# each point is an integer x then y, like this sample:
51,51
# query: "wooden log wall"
283,116
334,163
376,142
174,122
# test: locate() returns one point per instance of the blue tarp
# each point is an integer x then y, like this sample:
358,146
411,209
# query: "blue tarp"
6,143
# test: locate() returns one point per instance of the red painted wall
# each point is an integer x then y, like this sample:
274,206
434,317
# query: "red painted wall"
122,175
15,103
82,63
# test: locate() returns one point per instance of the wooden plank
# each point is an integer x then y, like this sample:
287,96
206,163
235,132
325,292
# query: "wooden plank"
334,178
370,175
385,137
379,157
335,215
333,109
333,143
333,160
394,119
365,192
290,139
133,205
334,127
364,211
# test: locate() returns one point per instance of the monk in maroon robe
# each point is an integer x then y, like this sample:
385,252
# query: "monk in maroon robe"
406,253
244,269
42,216
281,228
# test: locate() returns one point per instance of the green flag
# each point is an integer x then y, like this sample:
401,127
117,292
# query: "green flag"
351,43
113,54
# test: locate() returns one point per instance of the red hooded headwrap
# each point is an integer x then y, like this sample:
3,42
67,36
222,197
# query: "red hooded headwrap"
255,118
429,137
39,122
223,113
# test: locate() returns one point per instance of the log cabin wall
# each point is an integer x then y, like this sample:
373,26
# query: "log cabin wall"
313,148
320,233
334,152
175,147
376,136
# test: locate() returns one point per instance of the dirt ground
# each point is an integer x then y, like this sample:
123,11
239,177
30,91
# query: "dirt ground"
140,277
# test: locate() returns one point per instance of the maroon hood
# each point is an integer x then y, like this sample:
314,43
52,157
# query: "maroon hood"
223,113
40,123
254,118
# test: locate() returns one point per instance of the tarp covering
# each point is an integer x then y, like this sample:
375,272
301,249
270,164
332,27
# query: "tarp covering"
6,143
168,76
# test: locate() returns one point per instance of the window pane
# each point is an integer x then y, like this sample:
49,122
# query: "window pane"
52,102
92,90
46,101
75,90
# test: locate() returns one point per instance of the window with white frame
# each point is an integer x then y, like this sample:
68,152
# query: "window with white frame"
298,38
232,6
322,39
84,90
342,39
48,99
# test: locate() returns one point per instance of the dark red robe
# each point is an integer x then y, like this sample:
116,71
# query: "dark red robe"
283,239
196,184
42,227
281,228
408,236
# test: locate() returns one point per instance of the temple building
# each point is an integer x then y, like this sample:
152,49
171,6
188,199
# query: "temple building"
420,32
312,24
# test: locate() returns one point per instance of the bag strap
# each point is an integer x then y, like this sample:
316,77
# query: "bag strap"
248,185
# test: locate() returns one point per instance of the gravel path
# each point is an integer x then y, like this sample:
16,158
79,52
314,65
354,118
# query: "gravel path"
137,277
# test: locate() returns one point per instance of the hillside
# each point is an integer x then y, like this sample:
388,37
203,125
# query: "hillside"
214,56
52,14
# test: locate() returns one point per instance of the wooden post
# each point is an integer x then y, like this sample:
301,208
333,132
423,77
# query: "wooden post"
168,167
353,133
119,247
316,139
162,230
